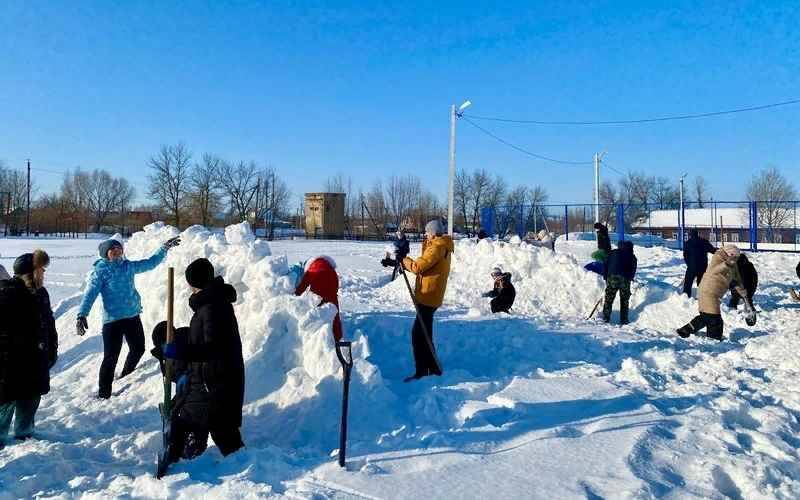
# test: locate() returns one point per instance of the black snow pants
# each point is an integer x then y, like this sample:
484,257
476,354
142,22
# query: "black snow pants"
691,276
423,358
131,330
712,323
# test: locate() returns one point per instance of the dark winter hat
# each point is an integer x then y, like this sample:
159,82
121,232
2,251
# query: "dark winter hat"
693,233
23,265
497,272
199,273
107,245
599,225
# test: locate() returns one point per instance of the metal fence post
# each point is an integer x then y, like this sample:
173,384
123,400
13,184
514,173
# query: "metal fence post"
487,219
566,223
682,225
620,222
754,226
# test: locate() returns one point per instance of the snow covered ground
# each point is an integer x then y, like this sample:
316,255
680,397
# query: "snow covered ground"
539,404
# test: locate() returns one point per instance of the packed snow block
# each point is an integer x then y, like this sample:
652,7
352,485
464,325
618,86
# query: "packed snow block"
547,284
293,377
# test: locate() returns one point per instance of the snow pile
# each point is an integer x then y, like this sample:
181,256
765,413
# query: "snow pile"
548,284
291,364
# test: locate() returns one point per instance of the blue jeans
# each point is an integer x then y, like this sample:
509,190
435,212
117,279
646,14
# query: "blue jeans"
23,423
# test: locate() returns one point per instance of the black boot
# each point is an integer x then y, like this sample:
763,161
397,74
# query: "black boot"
685,331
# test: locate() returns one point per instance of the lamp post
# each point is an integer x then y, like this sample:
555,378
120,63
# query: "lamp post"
455,113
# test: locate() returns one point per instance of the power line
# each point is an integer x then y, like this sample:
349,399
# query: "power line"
642,120
606,165
521,150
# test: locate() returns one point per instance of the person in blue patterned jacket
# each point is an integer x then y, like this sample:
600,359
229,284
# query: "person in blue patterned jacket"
112,279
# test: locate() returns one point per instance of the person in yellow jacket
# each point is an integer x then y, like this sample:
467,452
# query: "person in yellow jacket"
432,269
718,277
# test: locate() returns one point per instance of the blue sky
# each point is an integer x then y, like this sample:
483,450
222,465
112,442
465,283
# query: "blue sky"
364,88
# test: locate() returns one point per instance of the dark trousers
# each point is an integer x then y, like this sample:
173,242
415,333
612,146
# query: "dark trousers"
712,323
690,277
423,357
613,285
186,441
131,330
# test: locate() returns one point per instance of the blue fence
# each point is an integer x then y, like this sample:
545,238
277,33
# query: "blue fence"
751,225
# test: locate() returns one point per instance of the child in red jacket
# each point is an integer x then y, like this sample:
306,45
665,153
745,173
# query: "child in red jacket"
320,275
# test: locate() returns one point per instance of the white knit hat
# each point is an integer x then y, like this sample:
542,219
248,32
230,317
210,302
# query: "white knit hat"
732,251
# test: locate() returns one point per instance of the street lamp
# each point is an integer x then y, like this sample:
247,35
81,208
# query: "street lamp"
454,114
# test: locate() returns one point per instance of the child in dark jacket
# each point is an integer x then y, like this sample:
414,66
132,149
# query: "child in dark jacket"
620,271
503,293
214,389
749,278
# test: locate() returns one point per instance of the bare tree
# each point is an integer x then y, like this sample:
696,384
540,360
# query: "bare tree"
239,182
204,183
495,198
665,194
274,198
701,193
101,192
169,181
480,186
608,198
376,208
773,192
537,196
461,195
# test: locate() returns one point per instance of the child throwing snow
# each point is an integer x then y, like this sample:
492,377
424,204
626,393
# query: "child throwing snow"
720,273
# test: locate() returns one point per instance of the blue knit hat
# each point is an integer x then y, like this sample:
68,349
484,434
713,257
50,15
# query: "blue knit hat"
107,245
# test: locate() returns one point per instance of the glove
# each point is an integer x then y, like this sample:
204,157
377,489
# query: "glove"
81,326
171,351
750,313
172,242
486,294
180,385
387,262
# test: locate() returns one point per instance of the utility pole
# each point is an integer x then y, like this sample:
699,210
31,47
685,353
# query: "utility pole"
454,114
452,170
28,221
596,188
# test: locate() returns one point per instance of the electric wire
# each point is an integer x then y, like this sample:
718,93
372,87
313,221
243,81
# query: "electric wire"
640,120
522,150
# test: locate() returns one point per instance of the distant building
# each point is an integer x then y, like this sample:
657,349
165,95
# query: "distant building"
324,214
728,224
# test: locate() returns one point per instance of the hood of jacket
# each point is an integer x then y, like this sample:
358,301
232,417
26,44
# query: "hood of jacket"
218,292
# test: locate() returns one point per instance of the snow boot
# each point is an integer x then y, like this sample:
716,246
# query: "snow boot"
685,331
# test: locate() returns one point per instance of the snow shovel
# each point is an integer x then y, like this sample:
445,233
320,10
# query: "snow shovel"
424,328
346,359
165,407
597,304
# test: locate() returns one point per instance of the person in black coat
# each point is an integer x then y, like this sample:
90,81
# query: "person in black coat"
401,251
749,281
503,293
695,254
620,271
603,239
214,389
28,344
